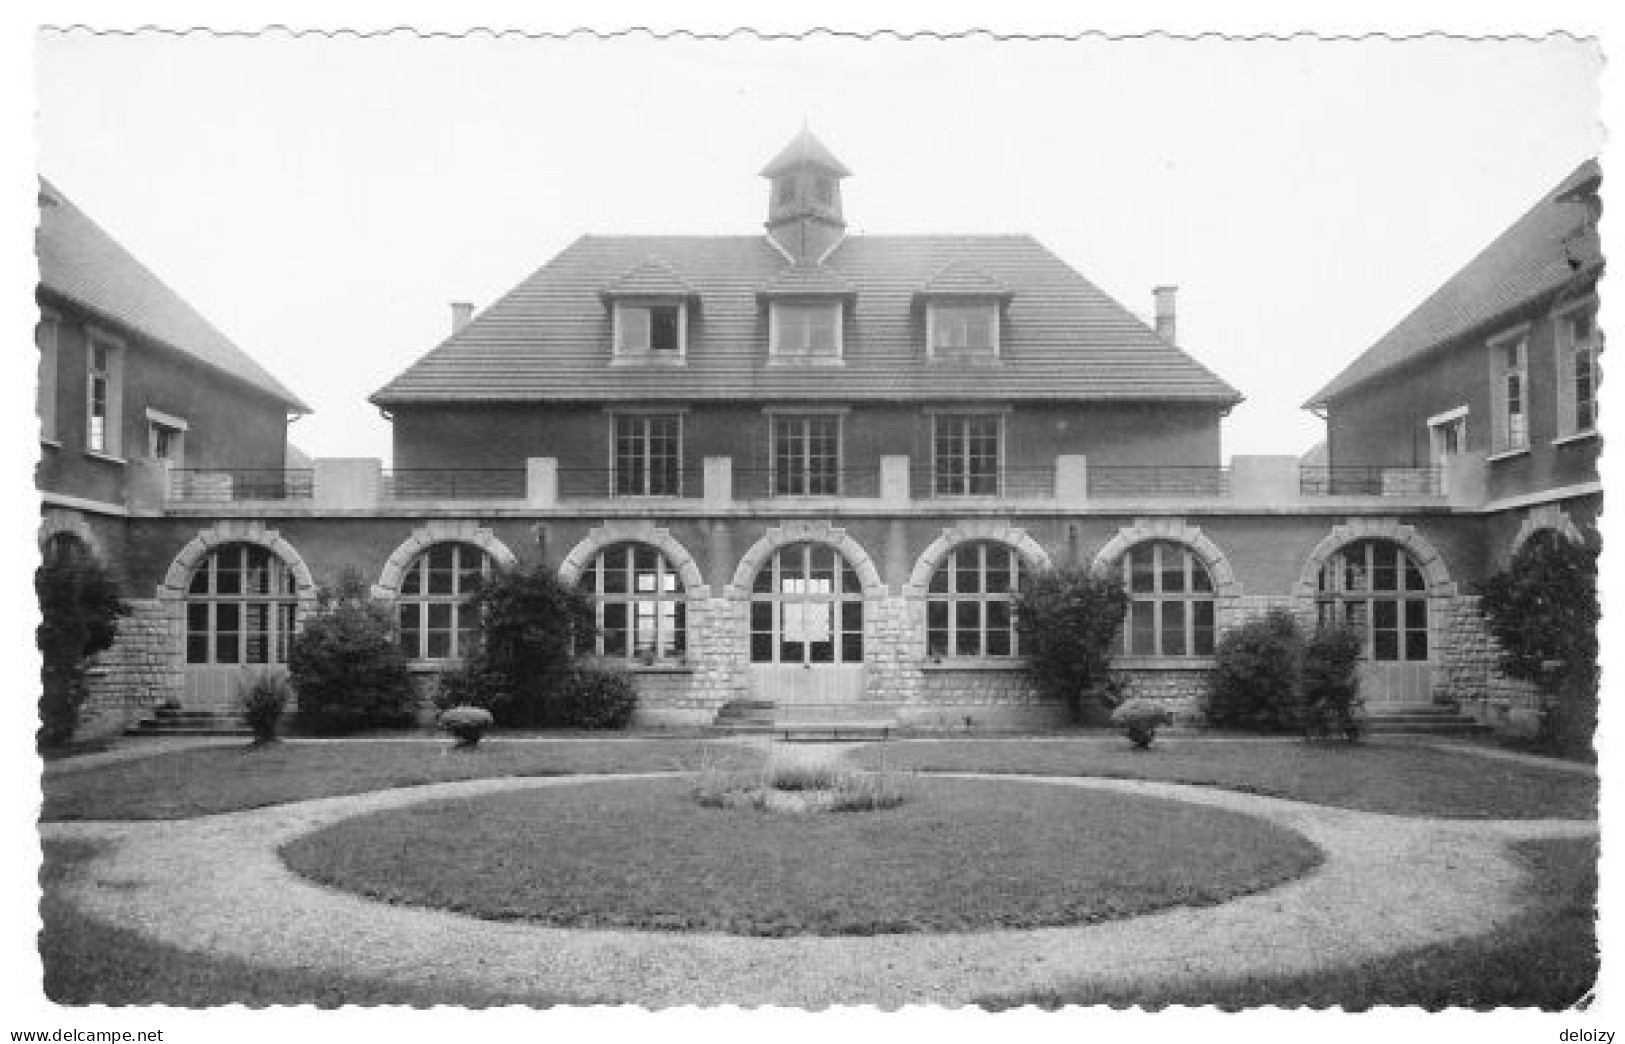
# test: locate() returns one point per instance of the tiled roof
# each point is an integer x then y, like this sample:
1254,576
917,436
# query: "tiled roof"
80,262
549,338
805,150
959,279
1551,246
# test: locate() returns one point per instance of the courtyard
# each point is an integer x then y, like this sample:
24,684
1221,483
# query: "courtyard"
1050,871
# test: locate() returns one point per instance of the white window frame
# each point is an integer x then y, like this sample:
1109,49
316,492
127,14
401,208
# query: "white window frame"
777,315
421,599
1507,440
111,443
615,419
937,311
1438,424
1568,353
47,336
176,427
775,417
623,327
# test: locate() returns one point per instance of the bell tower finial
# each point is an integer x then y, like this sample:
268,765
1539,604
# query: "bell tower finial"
804,202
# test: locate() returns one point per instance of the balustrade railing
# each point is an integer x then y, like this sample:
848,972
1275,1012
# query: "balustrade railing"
454,484
226,485
604,484
1127,481
1007,483
762,483
1361,480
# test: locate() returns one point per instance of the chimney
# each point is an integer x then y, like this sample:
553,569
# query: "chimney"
462,313
1166,326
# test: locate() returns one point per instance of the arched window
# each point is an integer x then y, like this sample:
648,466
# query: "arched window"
1377,588
240,607
1170,593
639,599
806,607
432,607
968,605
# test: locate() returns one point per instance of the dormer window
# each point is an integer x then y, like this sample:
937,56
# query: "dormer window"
962,329
654,330
806,329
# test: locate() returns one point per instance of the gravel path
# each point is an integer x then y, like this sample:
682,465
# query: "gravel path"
216,885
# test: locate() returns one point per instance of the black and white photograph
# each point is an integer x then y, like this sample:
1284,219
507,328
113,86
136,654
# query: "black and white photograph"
1009,524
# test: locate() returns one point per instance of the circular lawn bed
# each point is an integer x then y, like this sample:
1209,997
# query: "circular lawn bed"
958,855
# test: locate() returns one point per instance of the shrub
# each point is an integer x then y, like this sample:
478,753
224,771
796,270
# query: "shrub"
1255,676
1069,623
1543,611
595,697
264,696
1330,704
1139,718
79,610
521,672
345,665
467,724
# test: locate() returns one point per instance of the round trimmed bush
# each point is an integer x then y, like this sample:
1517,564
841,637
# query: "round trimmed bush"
468,724
1139,718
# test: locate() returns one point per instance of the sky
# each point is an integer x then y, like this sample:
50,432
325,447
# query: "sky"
323,200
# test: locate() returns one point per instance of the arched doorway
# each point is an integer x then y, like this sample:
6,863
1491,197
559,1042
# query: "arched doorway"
241,609
806,626
1377,588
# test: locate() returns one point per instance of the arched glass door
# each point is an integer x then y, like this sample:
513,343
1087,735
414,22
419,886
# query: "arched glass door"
806,626
1377,588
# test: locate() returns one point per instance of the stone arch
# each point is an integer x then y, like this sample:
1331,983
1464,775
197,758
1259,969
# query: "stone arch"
634,531
1175,530
968,531
1427,557
236,531
462,531
56,522
1550,517
817,532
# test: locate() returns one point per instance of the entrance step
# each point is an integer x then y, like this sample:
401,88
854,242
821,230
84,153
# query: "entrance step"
1432,720
178,721
806,720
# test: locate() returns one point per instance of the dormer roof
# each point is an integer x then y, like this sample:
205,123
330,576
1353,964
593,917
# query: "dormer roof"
651,277
960,278
807,281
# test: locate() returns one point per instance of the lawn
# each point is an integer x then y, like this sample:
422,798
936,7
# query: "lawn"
1393,778
954,856
207,780
1544,958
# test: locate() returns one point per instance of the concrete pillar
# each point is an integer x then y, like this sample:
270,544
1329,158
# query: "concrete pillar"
541,481
894,479
719,480
899,565
1466,480
1071,478
1265,479
722,556
348,482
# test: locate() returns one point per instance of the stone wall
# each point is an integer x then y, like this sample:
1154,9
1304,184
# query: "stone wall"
139,672
1467,674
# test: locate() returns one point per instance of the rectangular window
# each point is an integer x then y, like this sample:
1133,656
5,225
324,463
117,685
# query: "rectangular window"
966,455
102,397
961,329
45,337
806,455
166,438
648,455
1511,364
1578,344
807,329
650,329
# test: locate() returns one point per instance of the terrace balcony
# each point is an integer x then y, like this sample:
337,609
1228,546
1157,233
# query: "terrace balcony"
894,484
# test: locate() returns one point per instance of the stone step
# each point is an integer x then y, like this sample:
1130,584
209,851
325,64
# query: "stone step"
190,721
